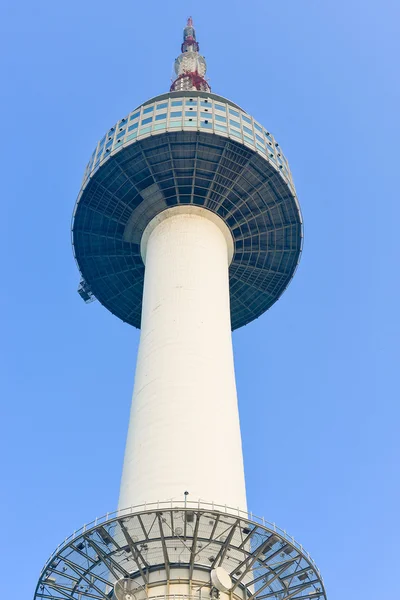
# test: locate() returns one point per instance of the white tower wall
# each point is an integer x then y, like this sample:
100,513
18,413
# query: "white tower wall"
184,432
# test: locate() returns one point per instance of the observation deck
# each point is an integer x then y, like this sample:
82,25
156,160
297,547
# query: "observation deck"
193,148
168,551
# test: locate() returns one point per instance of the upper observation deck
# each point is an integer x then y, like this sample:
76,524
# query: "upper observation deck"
193,148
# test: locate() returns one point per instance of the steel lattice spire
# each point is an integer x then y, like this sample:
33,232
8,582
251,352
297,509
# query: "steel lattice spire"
190,66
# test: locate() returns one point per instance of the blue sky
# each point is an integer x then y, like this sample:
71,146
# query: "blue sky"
317,375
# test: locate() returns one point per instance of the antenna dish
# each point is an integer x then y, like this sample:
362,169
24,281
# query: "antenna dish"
221,579
125,589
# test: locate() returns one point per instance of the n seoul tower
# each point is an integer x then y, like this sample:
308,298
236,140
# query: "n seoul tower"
187,226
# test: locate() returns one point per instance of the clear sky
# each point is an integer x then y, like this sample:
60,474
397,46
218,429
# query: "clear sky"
317,375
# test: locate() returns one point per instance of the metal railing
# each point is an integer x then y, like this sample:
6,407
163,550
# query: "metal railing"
183,505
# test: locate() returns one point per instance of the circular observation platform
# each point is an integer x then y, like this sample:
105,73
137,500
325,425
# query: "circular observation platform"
170,550
197,149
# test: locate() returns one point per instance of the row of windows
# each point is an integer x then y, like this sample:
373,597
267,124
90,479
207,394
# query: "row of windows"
179,103
211,114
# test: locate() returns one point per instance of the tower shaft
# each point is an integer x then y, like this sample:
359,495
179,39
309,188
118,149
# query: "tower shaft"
184,432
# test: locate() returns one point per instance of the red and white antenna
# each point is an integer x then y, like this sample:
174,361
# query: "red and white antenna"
190,66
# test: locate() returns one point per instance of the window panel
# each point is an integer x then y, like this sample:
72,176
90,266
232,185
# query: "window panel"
234,124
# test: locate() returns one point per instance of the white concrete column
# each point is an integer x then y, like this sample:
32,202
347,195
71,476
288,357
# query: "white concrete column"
184,430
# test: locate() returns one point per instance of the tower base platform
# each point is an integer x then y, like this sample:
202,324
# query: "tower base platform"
180,551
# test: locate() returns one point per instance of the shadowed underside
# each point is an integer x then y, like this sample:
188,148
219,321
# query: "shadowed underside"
198,168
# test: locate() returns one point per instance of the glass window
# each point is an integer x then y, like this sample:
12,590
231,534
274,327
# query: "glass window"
161,116
206,115
189,113
121,134
160,126
163,105
248,139
260,148
220,127
131,136
176,114
205,103
234,124
148,110
219,107
234,112
176,103
246,119
134,116
145,121
258,127
247,130
269,136
259,138
134,126
220,118
191,123
206,124
145,130
235,133
176,123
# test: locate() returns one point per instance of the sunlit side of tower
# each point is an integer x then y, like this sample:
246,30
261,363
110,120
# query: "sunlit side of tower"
187,226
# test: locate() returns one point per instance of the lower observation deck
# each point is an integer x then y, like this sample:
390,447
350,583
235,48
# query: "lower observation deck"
168,550
197,149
